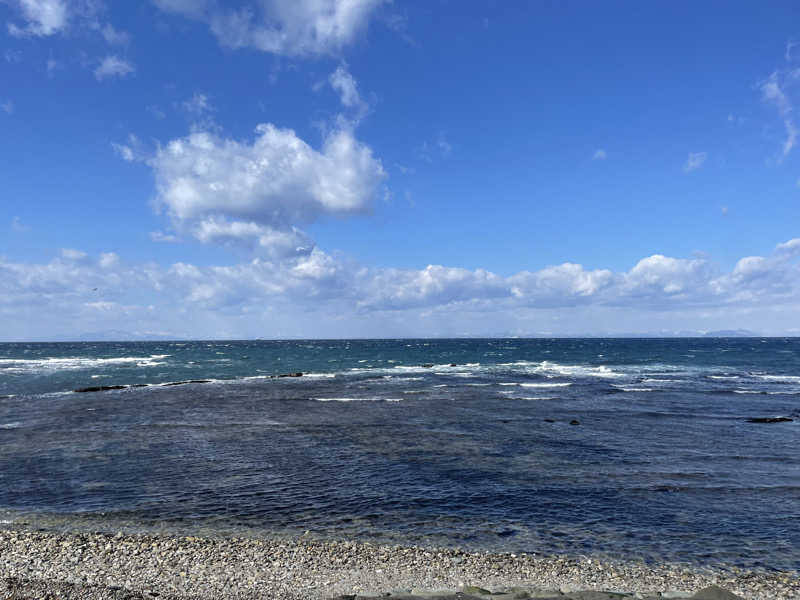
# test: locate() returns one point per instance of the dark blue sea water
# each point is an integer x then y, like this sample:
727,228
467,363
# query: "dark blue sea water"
462,442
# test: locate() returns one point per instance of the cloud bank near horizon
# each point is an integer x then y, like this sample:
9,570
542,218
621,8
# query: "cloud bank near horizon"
92,290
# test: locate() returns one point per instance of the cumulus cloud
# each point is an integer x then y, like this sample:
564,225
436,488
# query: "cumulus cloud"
41,17
220,188
113,66
695,161
285,27
311,280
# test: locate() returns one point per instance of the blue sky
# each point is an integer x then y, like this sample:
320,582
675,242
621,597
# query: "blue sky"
332,168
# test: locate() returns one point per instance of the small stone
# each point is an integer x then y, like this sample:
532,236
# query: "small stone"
714,592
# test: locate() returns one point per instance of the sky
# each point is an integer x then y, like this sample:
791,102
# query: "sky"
367,168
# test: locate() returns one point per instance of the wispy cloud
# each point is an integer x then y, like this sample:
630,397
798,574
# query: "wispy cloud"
12,56
18,226
51,66
344,84
113,36
772,92
197,105
440,147
695,161
599,154
113,66
7,107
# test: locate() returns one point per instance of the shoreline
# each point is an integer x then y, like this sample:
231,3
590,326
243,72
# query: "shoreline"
34,564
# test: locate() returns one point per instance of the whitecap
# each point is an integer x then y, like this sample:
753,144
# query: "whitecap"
345,399
626,388
544,385
12,425
27,365
778,378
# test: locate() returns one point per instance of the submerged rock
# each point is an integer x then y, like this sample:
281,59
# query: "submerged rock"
100,388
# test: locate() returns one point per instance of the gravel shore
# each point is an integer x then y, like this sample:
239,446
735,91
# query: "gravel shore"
35,564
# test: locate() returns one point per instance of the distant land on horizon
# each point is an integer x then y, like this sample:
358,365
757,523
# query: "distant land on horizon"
126,336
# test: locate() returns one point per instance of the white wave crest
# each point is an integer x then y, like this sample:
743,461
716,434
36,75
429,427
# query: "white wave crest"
75,363
544,385
778,378
346,399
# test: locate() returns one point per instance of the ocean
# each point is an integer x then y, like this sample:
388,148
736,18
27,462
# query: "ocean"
625,448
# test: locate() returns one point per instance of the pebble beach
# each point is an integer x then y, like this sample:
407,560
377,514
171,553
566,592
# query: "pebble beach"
40,564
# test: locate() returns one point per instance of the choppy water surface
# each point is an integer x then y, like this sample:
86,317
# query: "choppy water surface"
464,442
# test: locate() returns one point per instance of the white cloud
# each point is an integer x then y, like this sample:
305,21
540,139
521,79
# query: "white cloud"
113,66
12,56
440,146
18,226
342,81
657,288
276,181
599,154
52,65
7,107
695,161
113,36
189,8
108,260
792,247
131,151
42,17
277,243
772,92
72,254
197,105
160,236
286,27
